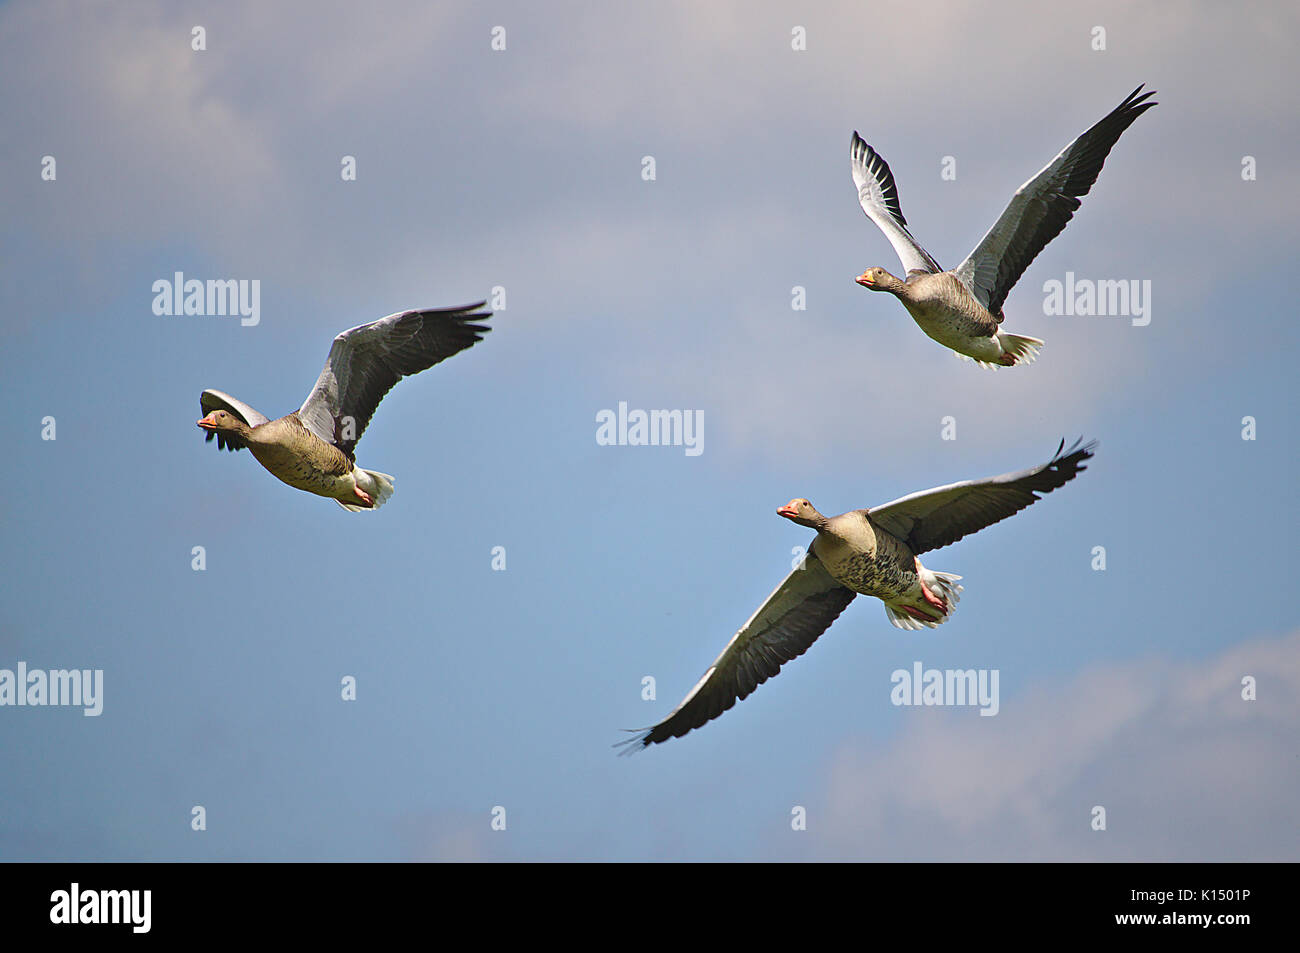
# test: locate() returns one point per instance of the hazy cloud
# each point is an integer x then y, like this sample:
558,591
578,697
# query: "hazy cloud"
1185,768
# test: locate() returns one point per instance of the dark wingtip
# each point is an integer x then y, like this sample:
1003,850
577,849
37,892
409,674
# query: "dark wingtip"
1083,449
1136,104
465,310
471,312
460,311
639,742
1074,457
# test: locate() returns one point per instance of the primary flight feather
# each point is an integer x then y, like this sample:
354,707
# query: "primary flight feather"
313,448
962,308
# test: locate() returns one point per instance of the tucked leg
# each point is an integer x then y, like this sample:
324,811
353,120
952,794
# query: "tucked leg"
929,596
915,613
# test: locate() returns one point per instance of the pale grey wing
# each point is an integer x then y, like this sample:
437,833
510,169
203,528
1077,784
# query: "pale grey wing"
366,361
789,621
1042,207
878,195
933,518
211,400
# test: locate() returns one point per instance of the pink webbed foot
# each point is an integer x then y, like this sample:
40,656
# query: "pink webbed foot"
929,596
934,600
916,613
362,495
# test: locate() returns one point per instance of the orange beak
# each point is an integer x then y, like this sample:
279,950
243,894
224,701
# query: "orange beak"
865,280
789,511
207,424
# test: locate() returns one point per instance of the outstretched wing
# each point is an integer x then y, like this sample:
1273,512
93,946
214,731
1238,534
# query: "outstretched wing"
211,400
791,619
933,518
878,196
366,361
1042,207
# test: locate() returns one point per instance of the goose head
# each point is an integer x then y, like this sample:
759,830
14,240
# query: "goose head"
802,512
877,279
223,420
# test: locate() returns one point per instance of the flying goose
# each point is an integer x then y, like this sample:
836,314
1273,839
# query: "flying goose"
872,552
962,308
313,447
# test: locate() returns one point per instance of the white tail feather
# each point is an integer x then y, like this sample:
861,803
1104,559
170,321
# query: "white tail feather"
945,585
942,584
1021,349
902,620
1024,349
378,485
381,487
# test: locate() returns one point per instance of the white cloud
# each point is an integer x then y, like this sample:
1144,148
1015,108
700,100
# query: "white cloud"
1185,768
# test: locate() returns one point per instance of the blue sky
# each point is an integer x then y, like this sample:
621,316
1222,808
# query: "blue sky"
522,169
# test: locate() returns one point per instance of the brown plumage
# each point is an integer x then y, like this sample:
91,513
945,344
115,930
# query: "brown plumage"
312,448
862,552
948,313
962,308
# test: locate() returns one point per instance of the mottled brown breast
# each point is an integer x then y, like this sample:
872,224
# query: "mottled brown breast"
864,557
294,454
946,311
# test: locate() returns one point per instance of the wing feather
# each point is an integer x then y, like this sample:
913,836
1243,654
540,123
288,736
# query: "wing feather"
211,400
785,625
1042,206
933,518
878,196
366,361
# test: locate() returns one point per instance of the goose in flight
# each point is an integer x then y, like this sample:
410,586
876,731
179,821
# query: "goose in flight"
873,552
962,308
313,448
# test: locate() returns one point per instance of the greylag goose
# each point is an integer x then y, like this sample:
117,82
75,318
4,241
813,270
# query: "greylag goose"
962,308
872,552
313,448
